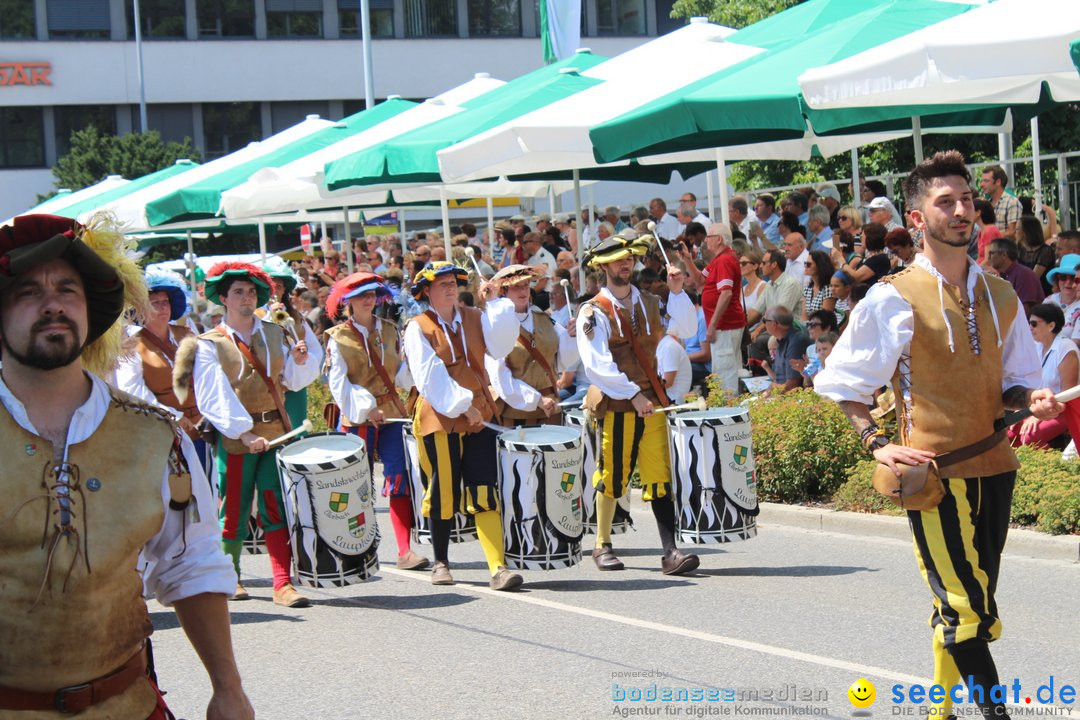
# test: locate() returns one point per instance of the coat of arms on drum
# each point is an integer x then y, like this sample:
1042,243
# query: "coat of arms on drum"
339,501
356,525
567,482
740,454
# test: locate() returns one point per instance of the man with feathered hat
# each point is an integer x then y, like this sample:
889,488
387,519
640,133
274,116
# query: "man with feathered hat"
618,332
444,348
526,380
75,625
146,372
366,370
239,371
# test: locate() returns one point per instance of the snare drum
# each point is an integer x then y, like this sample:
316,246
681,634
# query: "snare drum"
330,509
714,484
591,443
464,528
540,486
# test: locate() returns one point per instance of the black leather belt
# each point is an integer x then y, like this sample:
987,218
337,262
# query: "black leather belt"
266,417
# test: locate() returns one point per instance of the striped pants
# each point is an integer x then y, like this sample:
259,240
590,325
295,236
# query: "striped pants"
242,478
459,472
629,441
958,548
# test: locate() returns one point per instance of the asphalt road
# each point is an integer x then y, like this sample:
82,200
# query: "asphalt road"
778,626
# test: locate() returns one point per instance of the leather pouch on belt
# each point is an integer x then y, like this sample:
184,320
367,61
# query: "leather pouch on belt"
919,487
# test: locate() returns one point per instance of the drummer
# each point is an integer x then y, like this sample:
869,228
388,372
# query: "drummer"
365,373
526,381
618,333
451,406
147,372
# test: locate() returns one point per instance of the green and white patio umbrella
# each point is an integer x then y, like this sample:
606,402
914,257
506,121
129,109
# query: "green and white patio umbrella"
66,198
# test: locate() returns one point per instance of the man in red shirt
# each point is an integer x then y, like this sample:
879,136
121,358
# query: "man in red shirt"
721,299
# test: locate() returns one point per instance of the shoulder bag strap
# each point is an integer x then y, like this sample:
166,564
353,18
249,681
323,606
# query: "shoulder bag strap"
643,359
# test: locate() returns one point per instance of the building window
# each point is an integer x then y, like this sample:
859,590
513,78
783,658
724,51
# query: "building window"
22,137
226,18
160,18
294,18
72,118
430,18
81,19
495,18
172,121
230,126
382,18
17,20
284,115
620,17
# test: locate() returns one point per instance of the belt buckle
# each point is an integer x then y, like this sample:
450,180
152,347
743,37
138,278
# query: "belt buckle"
60,701
265,416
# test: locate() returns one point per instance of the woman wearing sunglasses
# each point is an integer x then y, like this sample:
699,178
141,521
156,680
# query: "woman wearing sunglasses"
1060,371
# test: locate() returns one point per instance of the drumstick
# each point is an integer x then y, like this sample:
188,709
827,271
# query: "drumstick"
471,252
659,242
1017,415
698,404
306,427
566,289
566,403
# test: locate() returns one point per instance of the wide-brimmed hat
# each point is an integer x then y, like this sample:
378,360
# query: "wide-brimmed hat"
513,275
237,271
279,270
167,281
435,269
1068,266
625,244
353,286
33,240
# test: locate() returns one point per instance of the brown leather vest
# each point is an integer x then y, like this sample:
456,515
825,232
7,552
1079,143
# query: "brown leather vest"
955,396
623,354
157,372
99,620
524,367
470,375
247,384
359,368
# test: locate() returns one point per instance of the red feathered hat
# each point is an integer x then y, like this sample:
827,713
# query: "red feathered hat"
356,284
237,271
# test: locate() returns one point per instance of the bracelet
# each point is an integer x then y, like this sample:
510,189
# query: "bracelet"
868,432
869,441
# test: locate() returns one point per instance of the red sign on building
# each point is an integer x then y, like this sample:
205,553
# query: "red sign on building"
25,73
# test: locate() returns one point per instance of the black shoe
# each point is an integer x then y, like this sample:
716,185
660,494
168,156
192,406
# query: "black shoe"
677,562
605,558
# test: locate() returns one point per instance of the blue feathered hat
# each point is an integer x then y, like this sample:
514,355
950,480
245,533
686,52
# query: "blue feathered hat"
171,283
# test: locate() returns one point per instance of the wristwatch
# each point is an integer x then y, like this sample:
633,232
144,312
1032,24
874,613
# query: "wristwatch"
877,442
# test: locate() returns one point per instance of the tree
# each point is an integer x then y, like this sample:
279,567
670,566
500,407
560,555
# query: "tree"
732,13
94,156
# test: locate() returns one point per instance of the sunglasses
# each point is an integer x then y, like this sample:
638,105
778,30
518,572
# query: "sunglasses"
746,262
813,324
1033,323
1067,279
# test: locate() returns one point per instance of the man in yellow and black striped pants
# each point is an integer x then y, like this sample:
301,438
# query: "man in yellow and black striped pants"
957,349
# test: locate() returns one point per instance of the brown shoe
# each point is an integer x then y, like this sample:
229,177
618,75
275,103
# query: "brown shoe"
677,562
288,597
241,593
605,558
440,574
412,561
505,580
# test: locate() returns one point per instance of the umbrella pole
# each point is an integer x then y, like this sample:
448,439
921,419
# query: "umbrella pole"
191,268
916,138
1036,166
856,191
346,242
709,193
262,241
580,238
721,177
445,207
401,230
492,242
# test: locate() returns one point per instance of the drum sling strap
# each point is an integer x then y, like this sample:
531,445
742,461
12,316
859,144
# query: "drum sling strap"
470,362
526,342
643,359
259,368
380,369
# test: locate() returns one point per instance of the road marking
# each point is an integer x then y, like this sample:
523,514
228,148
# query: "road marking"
857,669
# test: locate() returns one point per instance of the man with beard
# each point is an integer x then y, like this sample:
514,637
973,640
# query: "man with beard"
239,370
618,332
75,626
953,342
